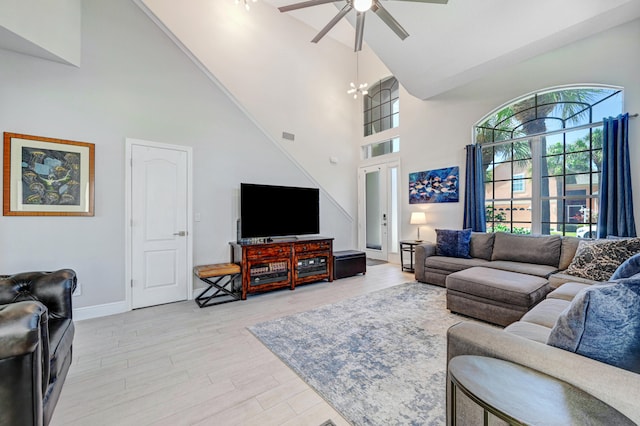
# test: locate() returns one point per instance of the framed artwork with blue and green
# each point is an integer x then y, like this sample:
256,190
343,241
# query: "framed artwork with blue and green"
434,186
47,177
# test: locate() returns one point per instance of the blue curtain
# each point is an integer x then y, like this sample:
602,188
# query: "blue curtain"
474,209
616,200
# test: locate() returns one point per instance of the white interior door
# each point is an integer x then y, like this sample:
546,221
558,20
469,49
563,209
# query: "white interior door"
159,227
377,201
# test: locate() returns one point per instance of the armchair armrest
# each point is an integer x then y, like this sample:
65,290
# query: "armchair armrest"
22,326
422,251
24,353
53,289
617,387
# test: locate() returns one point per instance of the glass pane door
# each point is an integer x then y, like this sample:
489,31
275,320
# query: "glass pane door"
374,216
377,209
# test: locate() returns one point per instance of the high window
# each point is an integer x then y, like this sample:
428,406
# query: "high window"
542,156
382,106
378,149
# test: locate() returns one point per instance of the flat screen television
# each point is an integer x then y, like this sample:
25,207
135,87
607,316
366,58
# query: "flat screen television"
278,211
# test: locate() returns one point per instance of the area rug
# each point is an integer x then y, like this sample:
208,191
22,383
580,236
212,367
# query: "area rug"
378,359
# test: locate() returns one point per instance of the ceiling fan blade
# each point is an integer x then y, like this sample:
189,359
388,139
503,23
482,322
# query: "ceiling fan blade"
389,20
359,31
333,22
303,4
429,1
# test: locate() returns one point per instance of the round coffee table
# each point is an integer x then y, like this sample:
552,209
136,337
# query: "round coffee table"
521,396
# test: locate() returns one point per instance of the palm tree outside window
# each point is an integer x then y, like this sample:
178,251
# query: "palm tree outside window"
542,157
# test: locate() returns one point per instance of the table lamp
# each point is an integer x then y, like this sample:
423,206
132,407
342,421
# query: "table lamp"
418,218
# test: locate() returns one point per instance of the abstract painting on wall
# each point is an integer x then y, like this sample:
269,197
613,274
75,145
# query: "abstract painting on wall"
434,186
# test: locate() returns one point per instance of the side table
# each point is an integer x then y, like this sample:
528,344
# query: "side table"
408,246
521,396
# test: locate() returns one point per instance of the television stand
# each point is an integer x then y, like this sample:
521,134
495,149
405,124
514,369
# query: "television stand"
284,263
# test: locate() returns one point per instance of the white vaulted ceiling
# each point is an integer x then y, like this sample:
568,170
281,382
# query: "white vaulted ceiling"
453,44
448,45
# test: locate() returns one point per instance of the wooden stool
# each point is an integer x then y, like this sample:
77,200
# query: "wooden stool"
219,272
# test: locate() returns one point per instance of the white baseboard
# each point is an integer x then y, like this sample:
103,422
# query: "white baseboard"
97,311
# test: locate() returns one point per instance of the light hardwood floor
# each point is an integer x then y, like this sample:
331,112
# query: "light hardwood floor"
177,364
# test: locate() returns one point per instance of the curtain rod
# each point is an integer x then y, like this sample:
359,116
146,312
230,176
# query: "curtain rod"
554,132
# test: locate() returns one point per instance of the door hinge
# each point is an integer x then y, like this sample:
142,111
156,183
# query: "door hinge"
131,283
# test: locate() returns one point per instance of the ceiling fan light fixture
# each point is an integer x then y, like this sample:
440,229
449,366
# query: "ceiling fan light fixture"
362,5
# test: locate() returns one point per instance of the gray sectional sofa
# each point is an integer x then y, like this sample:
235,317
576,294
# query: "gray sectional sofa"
525,342
521,282
545,256
503,276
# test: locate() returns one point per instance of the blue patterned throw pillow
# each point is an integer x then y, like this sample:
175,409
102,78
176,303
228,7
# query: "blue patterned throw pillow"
453,243
603,322
629,267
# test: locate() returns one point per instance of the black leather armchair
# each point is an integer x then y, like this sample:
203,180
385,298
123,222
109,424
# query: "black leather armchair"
36,335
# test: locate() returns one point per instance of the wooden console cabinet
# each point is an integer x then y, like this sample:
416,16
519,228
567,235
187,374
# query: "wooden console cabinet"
283,263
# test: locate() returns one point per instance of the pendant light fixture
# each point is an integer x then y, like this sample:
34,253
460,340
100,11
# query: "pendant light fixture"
355,88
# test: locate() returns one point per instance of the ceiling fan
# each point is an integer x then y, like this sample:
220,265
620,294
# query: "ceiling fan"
361,7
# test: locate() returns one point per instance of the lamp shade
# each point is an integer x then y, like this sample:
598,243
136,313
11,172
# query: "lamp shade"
418,218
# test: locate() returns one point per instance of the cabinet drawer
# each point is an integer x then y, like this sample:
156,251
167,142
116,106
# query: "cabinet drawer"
262,252
314,246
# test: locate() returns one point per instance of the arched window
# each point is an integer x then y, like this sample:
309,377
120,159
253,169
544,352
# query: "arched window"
542,156
382,106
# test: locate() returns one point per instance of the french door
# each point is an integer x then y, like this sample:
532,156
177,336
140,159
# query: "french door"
377,209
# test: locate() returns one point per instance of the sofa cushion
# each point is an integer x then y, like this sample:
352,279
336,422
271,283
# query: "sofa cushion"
502,286
567,291
599,259
452,264
560,278
523,268
568,251
540,249
529,330
481,245
453,243
546,312
603,322
629,268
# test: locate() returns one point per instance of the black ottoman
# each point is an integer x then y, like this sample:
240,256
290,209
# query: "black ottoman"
348,263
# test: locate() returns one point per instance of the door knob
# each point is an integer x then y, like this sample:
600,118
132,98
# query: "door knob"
180,234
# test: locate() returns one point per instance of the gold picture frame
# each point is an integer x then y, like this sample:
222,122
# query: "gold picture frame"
47,176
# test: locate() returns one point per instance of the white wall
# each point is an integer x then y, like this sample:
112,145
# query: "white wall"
434,132
49,29
134,82
264,59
